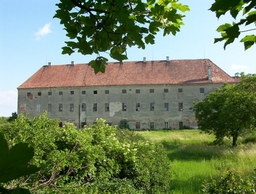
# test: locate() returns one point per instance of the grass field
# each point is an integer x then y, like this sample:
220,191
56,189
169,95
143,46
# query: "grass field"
194,159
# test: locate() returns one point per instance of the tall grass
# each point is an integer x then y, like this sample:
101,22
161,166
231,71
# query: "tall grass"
194,158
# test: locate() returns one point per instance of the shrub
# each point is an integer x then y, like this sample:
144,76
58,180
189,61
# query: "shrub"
230,182
98,158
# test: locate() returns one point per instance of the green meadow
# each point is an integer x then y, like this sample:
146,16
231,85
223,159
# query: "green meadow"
194,158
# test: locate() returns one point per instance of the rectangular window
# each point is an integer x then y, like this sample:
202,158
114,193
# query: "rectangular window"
60,93
166,125
137,91
137,125
60,107
166,106
152,106
123,106
39,94
165,90
38,107
123,91
201,90
72,92
49,107
106,107
180,90
152,125
71,107
106,91
83,107
180,106
94,107
151,90
137,106
49,93
95,92
181,125
83,92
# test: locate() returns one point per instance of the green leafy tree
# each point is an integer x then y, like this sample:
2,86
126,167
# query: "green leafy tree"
229,111
245,10
94,27
96,159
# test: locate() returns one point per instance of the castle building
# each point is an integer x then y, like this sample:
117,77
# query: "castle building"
141,94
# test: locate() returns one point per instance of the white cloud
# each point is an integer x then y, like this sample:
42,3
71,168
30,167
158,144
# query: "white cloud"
43,31
8,102
238,67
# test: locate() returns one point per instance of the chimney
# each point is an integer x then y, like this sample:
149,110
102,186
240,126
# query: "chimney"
49,63
209,73
72,62
144,59
167,58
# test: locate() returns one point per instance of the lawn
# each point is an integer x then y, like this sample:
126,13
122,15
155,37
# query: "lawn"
194,158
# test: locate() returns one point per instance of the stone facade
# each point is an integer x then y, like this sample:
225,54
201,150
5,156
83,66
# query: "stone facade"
140,105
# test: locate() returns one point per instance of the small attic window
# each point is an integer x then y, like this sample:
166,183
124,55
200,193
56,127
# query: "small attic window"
83,92
60,93
29,94
39,94
72,92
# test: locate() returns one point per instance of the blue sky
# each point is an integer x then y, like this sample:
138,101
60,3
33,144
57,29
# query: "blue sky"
30,38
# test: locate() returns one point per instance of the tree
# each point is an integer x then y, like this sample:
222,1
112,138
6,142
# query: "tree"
236,8
96,159
95,27
229,111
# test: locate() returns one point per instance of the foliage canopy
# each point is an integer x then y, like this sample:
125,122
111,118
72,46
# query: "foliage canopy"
99,158
95,27
245,10
229,111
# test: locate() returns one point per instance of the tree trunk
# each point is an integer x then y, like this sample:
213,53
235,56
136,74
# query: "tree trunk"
234,143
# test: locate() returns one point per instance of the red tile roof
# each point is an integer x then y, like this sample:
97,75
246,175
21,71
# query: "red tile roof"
128,73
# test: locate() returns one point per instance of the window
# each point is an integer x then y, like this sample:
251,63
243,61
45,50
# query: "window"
124,91
151,90
137,106
152,125
95,92
123,106
94,107
165,90
201,90
60,107
39,94
106,91
152,106
181,125
180,90
71,107
72,92
106,107
137,125
166,125
60,93
137,91
166,106
38,107
83,92
49,93
49,107
180,106
83,107
29,94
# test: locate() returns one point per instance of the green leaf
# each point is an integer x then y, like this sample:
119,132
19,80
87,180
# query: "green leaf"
14,163
67,50
150,39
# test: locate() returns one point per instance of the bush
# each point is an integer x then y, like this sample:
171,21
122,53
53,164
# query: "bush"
230,182
99,158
